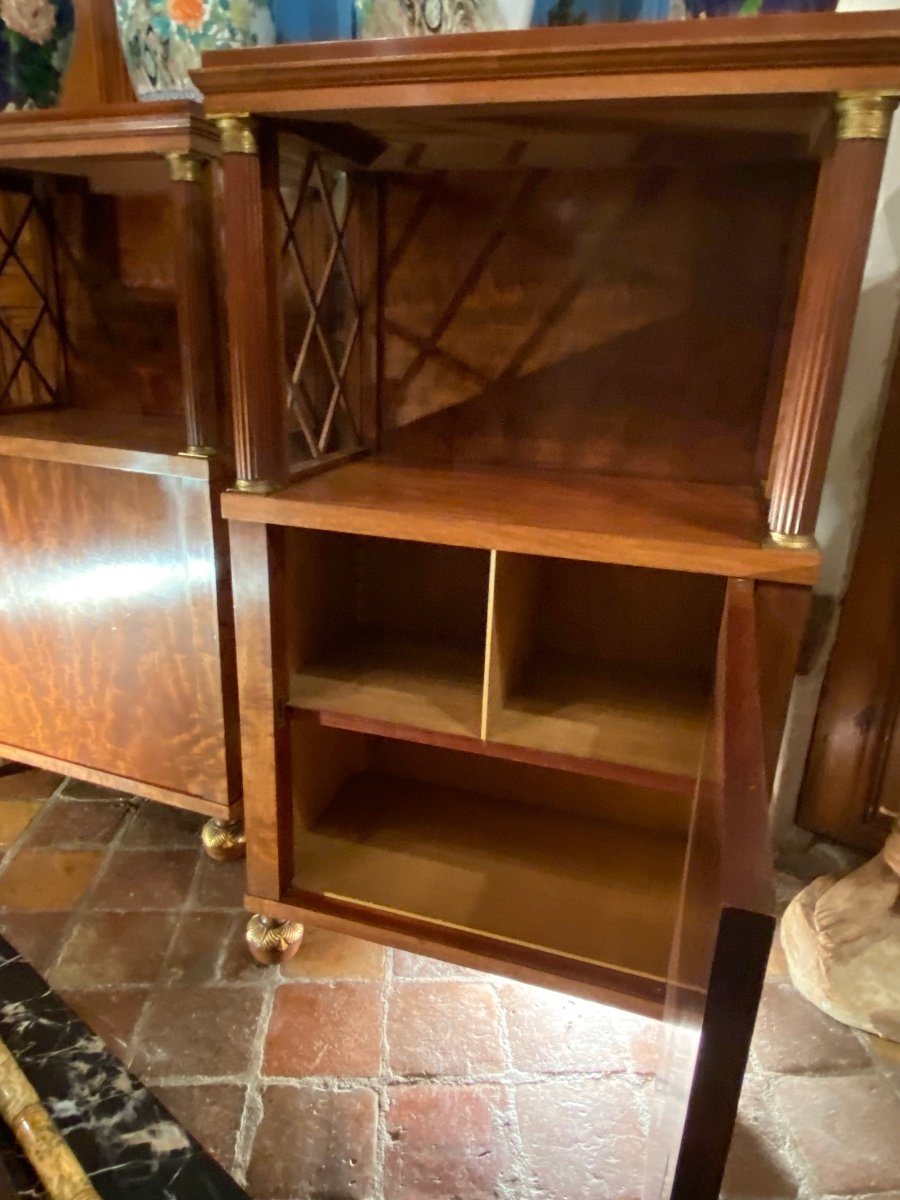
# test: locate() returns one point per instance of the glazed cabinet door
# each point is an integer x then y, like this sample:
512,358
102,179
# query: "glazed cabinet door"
724,929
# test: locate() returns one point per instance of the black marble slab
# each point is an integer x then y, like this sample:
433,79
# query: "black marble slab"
127,1142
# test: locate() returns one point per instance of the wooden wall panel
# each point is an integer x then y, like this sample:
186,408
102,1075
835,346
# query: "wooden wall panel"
851,790
620,321
109,638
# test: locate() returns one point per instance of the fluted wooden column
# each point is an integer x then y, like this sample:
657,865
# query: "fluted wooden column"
826,308
195,291
255,337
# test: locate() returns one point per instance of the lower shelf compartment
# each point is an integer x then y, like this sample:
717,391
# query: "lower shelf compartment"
633,718
559,882
406,681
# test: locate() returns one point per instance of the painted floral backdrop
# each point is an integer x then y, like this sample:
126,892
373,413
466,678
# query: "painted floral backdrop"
35,44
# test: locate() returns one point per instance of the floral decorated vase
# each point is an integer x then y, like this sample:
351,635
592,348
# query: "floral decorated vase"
401,18
35,45
163,39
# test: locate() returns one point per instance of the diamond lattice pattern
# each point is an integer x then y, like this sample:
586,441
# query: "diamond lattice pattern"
31,334
323,311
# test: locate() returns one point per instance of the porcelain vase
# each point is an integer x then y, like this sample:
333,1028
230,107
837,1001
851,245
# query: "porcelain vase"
163,39
35,45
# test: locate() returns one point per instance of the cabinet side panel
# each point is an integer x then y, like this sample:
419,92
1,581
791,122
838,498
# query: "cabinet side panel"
261,621
109,635
781,615
723,931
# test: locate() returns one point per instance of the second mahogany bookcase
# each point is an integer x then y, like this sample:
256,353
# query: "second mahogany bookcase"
536,344
116,633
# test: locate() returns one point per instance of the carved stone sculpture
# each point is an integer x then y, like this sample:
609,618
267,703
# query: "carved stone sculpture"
841,936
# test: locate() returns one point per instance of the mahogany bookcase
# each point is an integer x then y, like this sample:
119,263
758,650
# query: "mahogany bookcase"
116,628
536,342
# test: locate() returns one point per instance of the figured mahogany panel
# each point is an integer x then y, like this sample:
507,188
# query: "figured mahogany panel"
109,625
615,321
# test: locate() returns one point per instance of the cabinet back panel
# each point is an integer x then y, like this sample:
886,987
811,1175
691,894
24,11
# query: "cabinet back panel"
545,787
340,585
117,266
618,321
324,759
630,616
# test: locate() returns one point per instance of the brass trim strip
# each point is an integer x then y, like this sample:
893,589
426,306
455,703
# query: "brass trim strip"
865,114
793,541
238,133
254,485
185,166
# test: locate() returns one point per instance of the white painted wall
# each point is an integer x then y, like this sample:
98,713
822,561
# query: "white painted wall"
850,464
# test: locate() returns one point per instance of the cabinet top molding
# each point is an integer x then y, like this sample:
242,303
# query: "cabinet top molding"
808,54
45,137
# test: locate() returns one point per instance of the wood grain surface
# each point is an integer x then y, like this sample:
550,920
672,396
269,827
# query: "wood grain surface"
40,137
109,626
585,320
723,933
823,324
788,53
258,384
655,523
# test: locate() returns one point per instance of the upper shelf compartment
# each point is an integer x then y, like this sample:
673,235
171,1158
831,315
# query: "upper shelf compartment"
769,75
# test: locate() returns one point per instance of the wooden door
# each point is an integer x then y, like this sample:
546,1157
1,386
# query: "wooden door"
724,930
114,649
851,790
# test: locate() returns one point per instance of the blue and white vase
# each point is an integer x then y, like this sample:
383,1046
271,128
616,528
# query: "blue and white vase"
163,39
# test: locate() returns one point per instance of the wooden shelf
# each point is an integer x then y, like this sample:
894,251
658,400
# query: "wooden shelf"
120,441
633,718
119,148
400,680
45,137
786,67
708,528
558,882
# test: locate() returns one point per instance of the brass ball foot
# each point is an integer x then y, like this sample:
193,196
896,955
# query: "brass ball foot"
223,841
271,941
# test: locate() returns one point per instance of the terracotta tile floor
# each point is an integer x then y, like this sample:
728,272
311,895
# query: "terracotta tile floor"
354,1072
